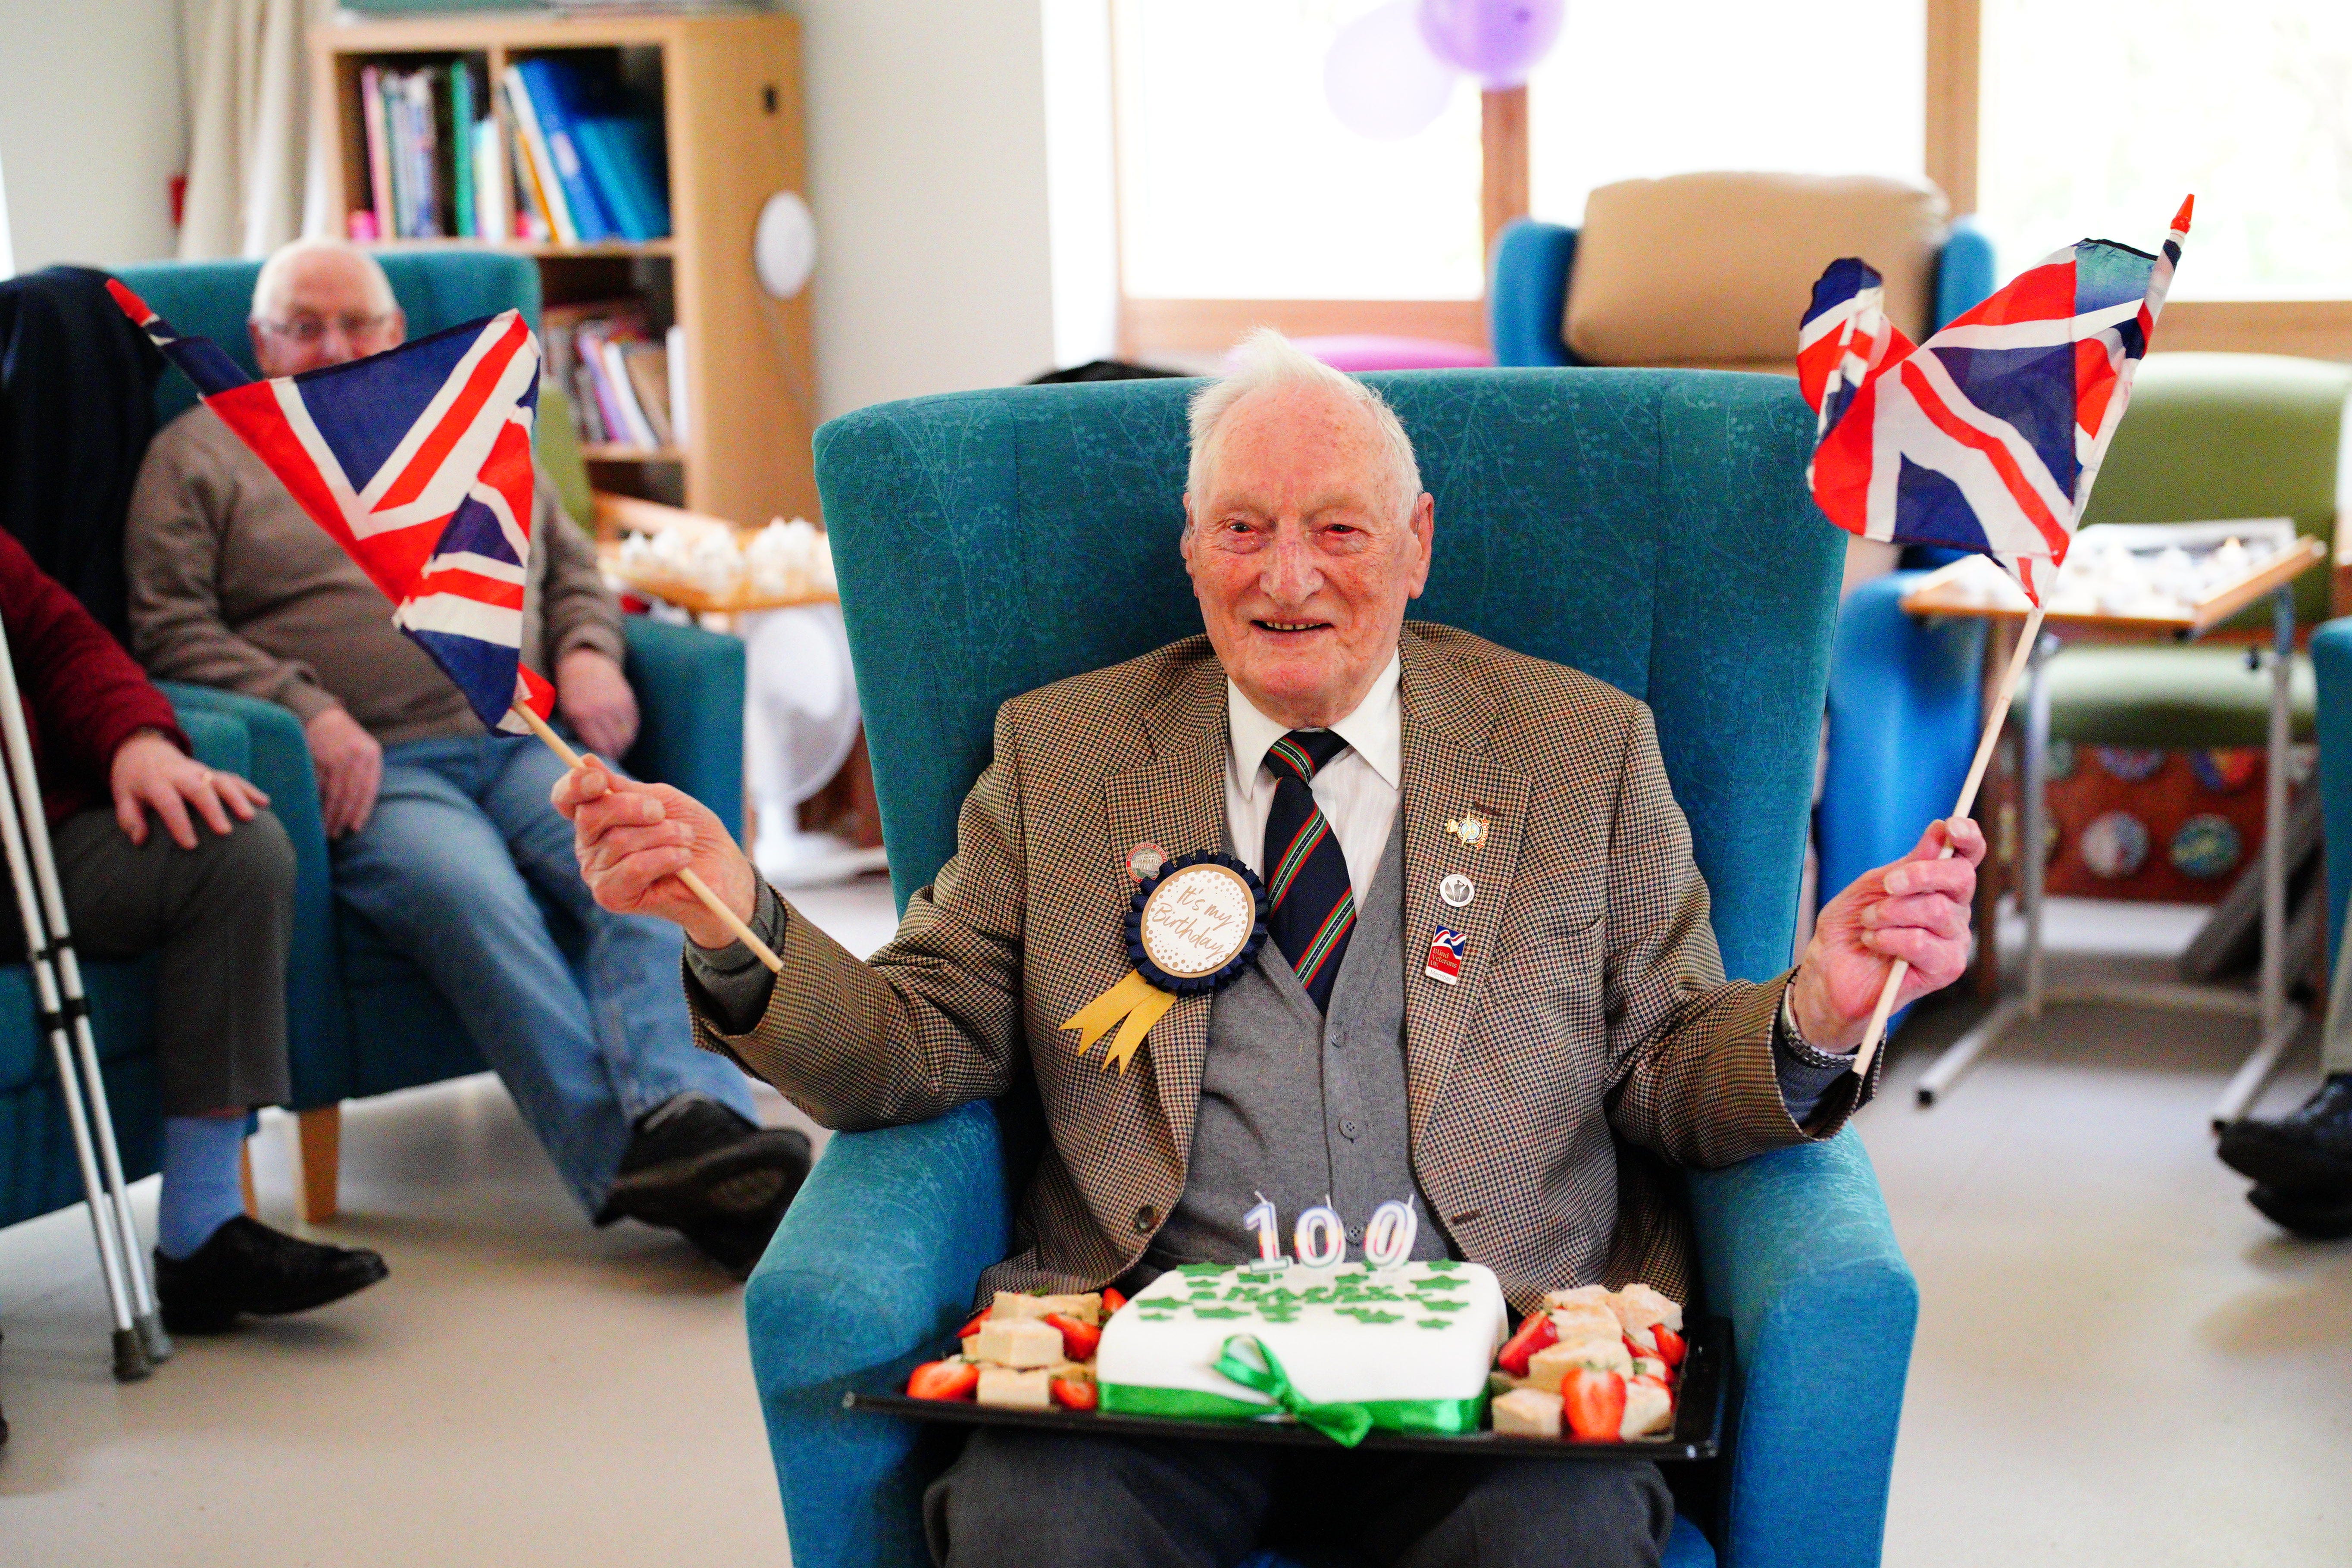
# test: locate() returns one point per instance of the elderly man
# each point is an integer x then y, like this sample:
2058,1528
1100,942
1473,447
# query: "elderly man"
442,839
1331,744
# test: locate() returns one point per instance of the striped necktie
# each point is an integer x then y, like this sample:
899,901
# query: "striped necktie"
1310,904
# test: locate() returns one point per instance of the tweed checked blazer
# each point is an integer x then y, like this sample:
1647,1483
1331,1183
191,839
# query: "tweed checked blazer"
1590,1041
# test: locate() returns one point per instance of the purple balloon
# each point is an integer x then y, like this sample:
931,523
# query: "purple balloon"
1498,41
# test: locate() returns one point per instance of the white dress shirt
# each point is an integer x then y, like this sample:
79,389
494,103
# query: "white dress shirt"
1357,790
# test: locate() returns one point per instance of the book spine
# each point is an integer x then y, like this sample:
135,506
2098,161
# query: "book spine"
530,136
681,431
379,156
624,393
461,149
395,136
547,87
586,412
424,113
593,140
494,219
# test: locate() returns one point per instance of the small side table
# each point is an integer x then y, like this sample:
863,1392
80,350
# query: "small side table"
2280,1019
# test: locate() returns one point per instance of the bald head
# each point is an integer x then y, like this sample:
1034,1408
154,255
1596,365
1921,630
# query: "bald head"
320,302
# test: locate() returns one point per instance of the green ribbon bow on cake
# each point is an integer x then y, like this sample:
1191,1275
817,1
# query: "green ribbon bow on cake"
1345,1425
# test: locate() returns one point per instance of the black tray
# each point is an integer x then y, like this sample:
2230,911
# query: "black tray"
1697,1431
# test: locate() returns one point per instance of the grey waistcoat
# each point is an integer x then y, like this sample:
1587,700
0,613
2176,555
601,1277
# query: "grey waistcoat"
1300,1107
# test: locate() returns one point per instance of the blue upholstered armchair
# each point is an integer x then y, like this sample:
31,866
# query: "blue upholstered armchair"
363,1021
1649,527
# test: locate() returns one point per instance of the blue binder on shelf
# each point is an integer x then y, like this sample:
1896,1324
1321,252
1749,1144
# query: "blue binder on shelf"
561,98
623,158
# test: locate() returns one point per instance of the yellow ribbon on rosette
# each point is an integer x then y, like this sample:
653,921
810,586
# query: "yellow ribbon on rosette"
1192,927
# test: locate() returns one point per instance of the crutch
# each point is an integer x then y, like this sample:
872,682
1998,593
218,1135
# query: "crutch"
139,1337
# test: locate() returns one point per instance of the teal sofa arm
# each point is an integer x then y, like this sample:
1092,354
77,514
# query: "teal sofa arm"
689,684
1526,302
218,742
277,758
2331,669
875,1261
1797,1250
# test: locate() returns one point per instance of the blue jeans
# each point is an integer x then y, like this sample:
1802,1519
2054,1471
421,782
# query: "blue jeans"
462,836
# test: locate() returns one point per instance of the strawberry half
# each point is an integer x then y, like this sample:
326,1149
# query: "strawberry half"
1672,1346
1536,1331
1112,1302
1078,1339
1594,1404
1074,1393
943,1380
973,1327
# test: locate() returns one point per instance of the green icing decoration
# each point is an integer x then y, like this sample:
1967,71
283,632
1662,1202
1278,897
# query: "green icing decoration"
1440,1282
1442,1306
1372,1315
1444,1266
1219,1312
1434,1323
1196,1270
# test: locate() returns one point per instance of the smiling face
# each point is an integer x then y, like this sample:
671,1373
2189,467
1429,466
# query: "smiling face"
1303,553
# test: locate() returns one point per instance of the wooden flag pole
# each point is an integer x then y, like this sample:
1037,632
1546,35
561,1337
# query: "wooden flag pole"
694,884
1999,716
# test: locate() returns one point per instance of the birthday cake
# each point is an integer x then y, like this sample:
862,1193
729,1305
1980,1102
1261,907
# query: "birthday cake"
1406,1347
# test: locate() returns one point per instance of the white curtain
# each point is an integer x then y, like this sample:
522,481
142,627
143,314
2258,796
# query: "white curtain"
250,161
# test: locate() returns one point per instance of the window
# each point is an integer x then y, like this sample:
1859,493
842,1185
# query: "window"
2098,115
1236,182
1822,87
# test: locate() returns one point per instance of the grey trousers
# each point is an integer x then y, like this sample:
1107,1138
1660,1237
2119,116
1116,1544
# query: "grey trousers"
218,919
1028,1498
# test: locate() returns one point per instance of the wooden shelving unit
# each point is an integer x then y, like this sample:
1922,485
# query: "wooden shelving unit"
730,106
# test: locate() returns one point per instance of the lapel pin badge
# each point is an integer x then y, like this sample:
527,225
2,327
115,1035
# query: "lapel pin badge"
1445,960
1457,890
1470,827
1144,861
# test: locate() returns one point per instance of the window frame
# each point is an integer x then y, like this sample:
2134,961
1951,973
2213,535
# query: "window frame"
1150,326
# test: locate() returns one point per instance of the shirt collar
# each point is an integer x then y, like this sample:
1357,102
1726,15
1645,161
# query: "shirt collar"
1375,729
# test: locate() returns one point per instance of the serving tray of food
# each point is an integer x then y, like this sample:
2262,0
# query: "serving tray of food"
1401,1360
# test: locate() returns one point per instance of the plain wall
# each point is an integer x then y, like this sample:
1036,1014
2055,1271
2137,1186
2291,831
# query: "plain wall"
928,176
92,127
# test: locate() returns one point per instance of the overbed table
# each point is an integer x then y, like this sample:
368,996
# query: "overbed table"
2280,1019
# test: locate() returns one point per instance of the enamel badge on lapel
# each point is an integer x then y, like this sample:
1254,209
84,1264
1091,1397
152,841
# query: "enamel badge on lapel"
1470,827
1444,957
1192,926
1457,890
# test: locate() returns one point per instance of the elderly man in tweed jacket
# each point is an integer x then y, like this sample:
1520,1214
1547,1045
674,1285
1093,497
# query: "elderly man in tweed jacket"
1389,780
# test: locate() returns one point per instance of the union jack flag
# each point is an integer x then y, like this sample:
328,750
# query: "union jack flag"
1988,435
417,462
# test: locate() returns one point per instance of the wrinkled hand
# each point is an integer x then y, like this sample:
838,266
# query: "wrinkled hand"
595,699
633,839
351,768
150,773
1917,909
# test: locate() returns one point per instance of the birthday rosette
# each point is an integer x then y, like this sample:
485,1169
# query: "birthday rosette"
1192,927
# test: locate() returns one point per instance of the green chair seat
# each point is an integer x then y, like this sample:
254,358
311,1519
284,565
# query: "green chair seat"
2165,698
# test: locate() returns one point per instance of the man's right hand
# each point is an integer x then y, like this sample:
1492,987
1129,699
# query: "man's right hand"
351,768
634,839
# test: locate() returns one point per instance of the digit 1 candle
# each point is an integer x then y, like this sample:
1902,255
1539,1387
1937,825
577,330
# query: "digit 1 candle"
1321,1240
1267,1224
1387,1239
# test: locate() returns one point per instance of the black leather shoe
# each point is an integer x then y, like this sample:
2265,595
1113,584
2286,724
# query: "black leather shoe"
2314,1216
695,1163
735,1245
248,1268
2307,1150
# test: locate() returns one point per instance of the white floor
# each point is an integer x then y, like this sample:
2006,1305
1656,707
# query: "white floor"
2118,1362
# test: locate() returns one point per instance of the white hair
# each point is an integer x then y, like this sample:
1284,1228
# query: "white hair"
272,280
1266,358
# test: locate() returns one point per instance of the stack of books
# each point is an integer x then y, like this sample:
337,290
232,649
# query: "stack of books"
582,165
626,388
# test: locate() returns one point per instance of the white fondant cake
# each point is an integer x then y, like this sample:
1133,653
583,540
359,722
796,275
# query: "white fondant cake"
1410,1342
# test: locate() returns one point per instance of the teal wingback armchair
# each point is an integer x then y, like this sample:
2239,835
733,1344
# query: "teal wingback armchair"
375,1022
1650,527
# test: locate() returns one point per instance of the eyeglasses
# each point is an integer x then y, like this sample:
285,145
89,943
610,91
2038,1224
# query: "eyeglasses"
307,330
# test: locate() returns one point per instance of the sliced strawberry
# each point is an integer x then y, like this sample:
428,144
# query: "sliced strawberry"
1536,1331
1639,1342
1594,1404
1672,1346
973,1327
1112,1302
1078,1339
1074,1393
943,1380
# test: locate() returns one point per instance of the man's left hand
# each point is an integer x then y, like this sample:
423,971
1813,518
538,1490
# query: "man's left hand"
1917,909
594,697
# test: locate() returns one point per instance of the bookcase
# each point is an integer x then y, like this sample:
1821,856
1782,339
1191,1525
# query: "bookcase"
725,91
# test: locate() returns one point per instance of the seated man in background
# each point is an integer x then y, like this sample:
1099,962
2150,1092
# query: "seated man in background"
1334,748
440,831
212,896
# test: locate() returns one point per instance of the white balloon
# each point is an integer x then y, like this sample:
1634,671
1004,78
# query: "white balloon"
1381,79
783,247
